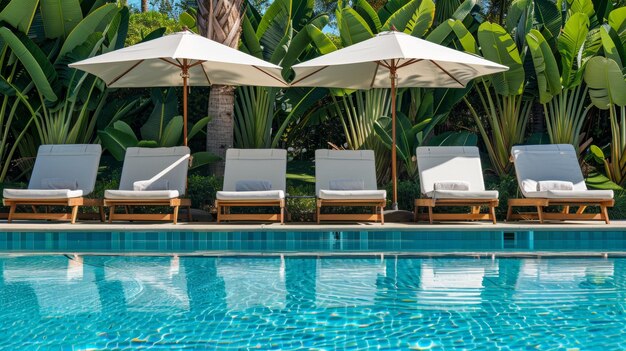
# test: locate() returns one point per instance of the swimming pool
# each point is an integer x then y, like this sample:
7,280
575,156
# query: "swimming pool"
318,241
108,302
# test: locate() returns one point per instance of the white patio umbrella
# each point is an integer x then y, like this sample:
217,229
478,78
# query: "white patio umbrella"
182,58
390,60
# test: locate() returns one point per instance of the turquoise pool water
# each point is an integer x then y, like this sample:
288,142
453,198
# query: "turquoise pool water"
315,241
290,303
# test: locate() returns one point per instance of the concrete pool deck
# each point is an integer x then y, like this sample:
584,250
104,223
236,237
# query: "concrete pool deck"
42,226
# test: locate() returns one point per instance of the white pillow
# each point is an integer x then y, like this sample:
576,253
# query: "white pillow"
59,183
452,185
529,185
546,185
159,184
253,185
346,184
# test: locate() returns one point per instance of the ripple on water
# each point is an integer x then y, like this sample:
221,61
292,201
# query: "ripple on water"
52,302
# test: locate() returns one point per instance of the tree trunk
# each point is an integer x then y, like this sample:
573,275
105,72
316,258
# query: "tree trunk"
220,20
144,5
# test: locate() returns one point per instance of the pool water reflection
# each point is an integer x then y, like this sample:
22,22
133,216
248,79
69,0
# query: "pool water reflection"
118,302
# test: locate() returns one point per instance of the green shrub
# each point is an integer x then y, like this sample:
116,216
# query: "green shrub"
408,191
301,209
201,190
507,188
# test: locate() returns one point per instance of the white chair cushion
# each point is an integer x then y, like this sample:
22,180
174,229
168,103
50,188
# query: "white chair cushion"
262,164
550,162
251,195
141,195
332,165
352,194
75,162
437,164
41,193
572,194
462,194
141,164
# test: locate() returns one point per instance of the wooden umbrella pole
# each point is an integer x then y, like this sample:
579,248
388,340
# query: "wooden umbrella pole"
185,75
394,176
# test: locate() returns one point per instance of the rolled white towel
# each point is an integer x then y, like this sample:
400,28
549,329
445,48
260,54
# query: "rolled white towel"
546,185
456,185
529,185
143,185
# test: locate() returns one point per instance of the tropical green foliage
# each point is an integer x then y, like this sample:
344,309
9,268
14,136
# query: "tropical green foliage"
565,57
43,100
163,128
283,35
144,25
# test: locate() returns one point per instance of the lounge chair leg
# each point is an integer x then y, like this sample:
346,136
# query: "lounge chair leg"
382,215
565,209
189,218
102,215
175,215
492,210
509,212
318,211
540,214
282,215
34,208
430,215
11,212
605,214
111,213
581,209
74,214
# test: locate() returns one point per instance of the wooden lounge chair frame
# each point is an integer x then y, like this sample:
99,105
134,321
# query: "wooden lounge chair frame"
474,215
359,165
378,207
223,210
169,164
74,203
78,163
253,164
175,204
564,214
569,170
440,163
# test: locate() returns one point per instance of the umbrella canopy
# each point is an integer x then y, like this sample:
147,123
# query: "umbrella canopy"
181,59
390,60
417,63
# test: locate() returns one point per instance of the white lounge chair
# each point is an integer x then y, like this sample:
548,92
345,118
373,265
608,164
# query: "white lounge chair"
550,175
253,178
348,178
151,177
453,176
62,175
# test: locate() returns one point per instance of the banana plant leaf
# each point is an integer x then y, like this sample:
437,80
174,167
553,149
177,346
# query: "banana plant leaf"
165,108
406,134
452,138
203,158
